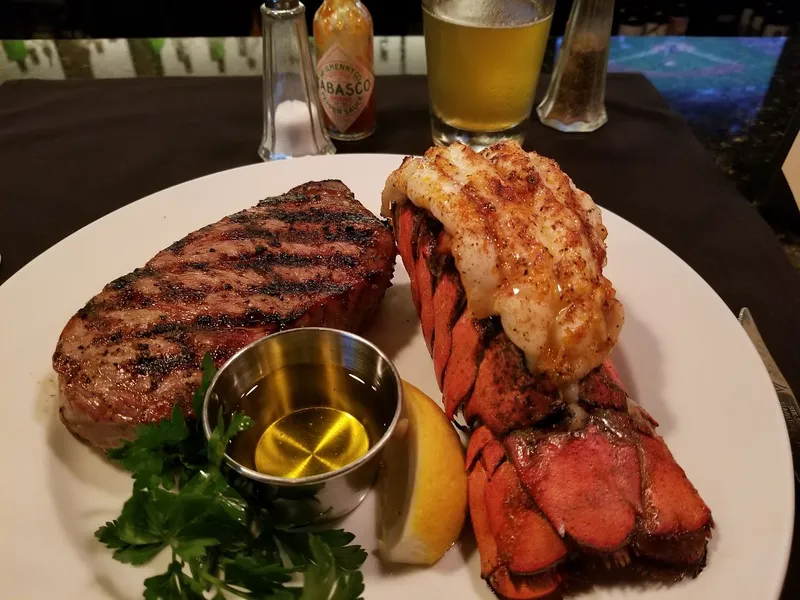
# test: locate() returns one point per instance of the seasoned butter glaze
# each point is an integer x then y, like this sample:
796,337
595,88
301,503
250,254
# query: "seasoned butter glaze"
529,246
309,419
311,441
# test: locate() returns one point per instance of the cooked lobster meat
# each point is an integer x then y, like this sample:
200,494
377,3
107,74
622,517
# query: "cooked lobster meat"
505,257
529,248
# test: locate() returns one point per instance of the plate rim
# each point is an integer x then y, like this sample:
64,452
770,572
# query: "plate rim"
17,279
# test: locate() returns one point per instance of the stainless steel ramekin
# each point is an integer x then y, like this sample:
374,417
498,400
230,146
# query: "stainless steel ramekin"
326,496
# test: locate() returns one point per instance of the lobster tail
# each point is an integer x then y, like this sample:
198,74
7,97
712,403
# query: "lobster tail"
558,474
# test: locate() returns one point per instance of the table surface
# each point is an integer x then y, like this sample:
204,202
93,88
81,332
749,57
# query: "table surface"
737,94
72,151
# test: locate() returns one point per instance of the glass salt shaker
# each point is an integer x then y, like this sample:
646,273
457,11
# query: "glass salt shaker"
292,115
575,98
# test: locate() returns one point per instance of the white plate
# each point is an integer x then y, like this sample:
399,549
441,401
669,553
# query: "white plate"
682,354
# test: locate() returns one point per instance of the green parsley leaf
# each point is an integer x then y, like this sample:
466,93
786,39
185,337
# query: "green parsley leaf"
138,555
347,556
153,456
202,520
296,543
350,586
209,372
224,540
194,548
137,535
320,577
173,585
164,586
191,588
295,547
222,435
215,485
255,575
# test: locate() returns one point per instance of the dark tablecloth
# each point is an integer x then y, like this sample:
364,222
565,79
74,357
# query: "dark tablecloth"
73,151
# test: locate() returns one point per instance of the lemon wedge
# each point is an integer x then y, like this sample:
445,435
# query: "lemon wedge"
422,484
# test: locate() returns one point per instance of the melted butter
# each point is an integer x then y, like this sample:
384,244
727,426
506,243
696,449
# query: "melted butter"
309,419
310,441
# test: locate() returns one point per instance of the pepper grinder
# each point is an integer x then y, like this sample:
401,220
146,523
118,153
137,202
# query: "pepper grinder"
575,98
292,114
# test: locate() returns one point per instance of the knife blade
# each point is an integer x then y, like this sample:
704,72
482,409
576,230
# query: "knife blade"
787,399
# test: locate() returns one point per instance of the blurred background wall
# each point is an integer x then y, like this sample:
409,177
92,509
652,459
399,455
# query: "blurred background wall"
27,19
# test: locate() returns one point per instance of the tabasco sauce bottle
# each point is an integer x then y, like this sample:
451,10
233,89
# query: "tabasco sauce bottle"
345,68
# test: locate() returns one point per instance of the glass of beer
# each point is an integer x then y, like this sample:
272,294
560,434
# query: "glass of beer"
484,59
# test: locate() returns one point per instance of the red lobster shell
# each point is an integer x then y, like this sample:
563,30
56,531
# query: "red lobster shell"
550,484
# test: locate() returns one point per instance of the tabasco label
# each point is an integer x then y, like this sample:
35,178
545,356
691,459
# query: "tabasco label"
345,87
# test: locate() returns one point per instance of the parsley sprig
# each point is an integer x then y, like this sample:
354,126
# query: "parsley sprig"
187,502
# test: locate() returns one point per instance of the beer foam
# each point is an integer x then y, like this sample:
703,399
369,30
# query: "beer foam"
489,13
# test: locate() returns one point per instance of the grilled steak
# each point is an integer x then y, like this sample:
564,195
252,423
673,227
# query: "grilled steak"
313,256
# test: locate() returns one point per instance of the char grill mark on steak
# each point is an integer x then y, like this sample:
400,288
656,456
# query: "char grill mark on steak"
280,286
296,234
311,215
314,256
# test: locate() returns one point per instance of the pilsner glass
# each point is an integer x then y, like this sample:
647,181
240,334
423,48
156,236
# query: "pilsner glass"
484,59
